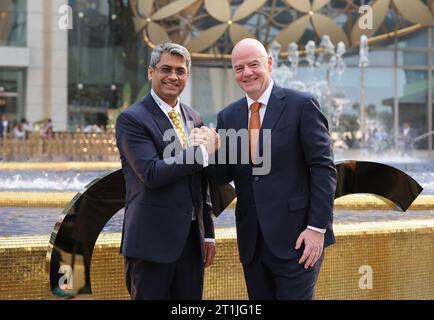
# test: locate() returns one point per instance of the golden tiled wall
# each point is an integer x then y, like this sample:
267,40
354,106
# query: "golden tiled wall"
27,199
400,255
22,267
63,199
223,280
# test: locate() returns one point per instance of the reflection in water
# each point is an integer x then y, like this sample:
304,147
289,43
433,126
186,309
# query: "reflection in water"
15,221
40,221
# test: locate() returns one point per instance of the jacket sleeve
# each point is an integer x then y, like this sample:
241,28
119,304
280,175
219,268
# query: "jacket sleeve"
318,155
137,147
218,173
207,210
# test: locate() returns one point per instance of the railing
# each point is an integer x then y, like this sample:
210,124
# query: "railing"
62,146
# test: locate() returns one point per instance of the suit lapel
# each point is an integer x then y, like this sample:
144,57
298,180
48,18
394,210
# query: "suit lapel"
274,110
160,118
242,117
195,180
242,123
189,120
275,106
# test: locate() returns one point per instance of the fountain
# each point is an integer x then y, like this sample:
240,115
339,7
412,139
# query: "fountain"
363,63
328,60
355,129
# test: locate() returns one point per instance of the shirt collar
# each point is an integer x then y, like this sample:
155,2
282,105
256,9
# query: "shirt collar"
165,106
265,97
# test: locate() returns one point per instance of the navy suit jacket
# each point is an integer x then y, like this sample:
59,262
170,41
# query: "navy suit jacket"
160,197
299,189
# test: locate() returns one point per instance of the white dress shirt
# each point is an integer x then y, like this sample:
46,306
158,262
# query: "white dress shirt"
166,108
264,99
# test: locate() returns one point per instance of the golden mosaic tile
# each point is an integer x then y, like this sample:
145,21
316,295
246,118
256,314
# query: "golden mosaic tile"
399,254
62,199
22,268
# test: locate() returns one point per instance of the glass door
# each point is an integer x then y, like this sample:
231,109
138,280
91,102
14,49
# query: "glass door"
12,94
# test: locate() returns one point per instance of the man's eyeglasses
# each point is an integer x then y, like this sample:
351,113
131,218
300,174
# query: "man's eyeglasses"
180,72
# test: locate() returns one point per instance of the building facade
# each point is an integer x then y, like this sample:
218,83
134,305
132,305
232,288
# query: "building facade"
33,62
83,75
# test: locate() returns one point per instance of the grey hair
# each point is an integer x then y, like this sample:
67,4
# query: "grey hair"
171,48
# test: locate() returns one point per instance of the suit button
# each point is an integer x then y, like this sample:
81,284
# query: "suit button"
256,179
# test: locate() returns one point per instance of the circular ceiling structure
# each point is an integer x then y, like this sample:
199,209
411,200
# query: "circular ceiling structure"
210,28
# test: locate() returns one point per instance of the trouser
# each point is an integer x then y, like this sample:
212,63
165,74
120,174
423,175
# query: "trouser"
180,280
270,278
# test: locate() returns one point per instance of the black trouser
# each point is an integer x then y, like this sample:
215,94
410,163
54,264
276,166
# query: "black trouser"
269,278
180,280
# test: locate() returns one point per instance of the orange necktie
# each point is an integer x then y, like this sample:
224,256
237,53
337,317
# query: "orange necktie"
254,126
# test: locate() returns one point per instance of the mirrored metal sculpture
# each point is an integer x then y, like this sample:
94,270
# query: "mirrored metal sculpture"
385,182
74,236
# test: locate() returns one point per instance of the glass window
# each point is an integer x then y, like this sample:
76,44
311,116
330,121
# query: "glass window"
106,61
341,98
92,7
367,99
12,93
388,43
417,39
432,37
375,58
216,87
432,102
377,99
432,60
413,103
13,18
407,58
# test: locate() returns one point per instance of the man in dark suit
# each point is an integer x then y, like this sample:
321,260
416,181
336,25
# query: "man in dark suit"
284,214
168,234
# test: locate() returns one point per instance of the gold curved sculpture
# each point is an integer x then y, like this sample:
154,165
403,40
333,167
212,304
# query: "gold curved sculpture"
210,28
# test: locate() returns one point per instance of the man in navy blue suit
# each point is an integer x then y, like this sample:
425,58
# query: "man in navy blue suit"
168,233
284,214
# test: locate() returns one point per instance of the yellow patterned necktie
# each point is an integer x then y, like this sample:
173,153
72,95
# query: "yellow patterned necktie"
173,115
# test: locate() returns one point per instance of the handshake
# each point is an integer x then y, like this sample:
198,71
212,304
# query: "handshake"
209,138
